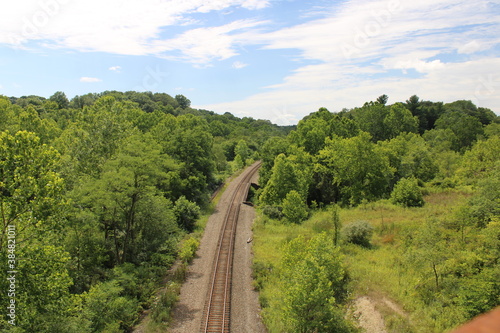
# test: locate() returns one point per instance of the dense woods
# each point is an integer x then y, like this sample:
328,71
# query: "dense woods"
410,193
97,193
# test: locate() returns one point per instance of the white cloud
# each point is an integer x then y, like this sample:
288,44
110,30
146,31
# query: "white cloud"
447,83
383,36
355,50
86,79
116,69
239,65
132,27
203,45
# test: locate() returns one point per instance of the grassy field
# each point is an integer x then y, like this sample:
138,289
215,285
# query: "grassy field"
380,271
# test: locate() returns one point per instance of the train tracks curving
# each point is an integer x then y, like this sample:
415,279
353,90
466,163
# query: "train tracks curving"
217,311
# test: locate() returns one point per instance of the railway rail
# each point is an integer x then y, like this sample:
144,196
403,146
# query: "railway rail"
217,311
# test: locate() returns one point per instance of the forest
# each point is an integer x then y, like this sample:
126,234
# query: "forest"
101,194
98,197
398,202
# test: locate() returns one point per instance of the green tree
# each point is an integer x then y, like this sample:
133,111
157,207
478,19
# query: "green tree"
268,152
382,99
399,120
31,192
187,213
313,287
353,170
481,160
8,115
60,98
294,207
466,128
334,211
413,104
108,310
33,211
410,156
288,173
311,133
128,181
429,251
407,193
183,101
370,118
484,115
242,150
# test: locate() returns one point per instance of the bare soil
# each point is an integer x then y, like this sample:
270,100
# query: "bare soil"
370,309
368,316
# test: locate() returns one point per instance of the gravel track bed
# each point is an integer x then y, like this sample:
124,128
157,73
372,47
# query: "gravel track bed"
245,307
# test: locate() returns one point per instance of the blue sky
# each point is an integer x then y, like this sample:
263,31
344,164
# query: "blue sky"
268,59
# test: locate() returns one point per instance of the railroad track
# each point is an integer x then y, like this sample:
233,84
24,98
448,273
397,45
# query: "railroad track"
217,311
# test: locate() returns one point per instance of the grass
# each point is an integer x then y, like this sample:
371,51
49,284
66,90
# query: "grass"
377,270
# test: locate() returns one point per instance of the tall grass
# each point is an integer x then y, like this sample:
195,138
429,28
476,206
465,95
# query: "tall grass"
381,269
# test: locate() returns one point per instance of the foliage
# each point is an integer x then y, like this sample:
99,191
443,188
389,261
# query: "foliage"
440,260
294,207
465,128
105,307
407,193
287,175
162,309
410,156
100,190
186,213
358,232
482,159
353,169
273,212
188,249
335,218
313,286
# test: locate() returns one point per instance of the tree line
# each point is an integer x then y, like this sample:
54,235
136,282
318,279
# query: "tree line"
361,154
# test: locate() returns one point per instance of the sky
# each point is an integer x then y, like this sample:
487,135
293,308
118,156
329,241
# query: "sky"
268,59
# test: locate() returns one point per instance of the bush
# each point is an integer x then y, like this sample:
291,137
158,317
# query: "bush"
294,207
161,312
188,249
107,309
358,232
187,213
273,212
407,193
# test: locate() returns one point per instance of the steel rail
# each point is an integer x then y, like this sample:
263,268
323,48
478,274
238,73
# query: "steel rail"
216,314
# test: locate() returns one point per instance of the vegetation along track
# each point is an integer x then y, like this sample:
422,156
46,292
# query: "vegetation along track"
216,314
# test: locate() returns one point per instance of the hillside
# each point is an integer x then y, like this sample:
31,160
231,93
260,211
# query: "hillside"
395,202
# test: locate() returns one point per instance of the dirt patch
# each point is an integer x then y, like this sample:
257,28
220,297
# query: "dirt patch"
369,318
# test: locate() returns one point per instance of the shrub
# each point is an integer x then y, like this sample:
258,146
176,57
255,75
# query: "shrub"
358,232
188,249
161,312
107,309
273,212
187,213
294,207
407,193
